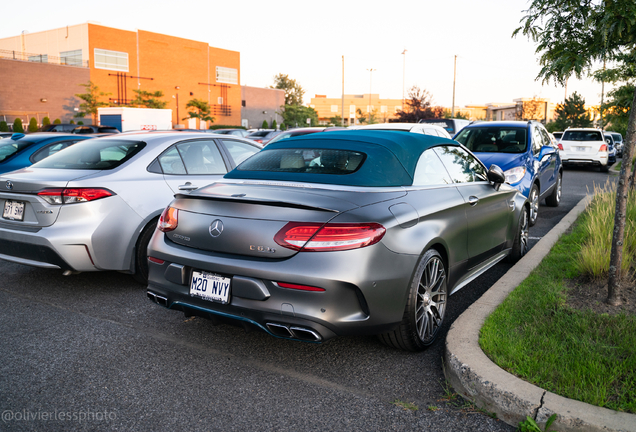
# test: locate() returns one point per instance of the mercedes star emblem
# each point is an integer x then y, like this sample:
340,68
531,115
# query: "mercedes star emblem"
216,228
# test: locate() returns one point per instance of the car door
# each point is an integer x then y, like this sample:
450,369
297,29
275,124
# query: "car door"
191,164
488,211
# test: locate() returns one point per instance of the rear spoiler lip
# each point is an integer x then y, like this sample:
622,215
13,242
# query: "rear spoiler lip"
244,200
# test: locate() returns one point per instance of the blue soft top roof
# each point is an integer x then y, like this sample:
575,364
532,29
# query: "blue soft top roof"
391,157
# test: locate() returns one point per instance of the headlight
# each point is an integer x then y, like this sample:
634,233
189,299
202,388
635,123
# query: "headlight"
514,175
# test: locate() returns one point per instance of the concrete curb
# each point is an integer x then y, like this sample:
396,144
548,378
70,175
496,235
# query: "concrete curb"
477,378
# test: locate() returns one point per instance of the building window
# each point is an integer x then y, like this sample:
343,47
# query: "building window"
383,109
42,58
226,75
334,108
111,60
71,58
220,100
352,109
243,103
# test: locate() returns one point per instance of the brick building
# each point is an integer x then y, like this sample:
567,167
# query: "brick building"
120,61
382,109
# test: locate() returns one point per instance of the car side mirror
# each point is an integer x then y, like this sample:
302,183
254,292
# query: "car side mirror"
546,151
496,176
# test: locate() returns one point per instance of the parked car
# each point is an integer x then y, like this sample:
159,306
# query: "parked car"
611,148
92,129
263,136
370,240
422,128
557,135
22,150
236,132
452,126
94,206
5,134
585,146
60,127
618,140
301,131
525,152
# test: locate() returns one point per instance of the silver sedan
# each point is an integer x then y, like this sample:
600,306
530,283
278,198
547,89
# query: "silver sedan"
95,205
339,233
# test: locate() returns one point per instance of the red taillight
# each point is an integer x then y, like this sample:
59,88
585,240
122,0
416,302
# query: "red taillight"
73,195
560,146
315,237
169,219
603,148
299,287
155,260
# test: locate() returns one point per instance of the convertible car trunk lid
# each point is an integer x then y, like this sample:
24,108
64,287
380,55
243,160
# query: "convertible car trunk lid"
243,219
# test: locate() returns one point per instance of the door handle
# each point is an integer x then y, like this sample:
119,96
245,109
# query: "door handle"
473,200
188,187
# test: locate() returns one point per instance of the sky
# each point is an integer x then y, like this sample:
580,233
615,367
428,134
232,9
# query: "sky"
308,40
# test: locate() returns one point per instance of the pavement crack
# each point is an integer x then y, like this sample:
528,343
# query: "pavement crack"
536,411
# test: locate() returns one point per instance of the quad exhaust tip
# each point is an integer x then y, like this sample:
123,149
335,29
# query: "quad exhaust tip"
161,300
300,333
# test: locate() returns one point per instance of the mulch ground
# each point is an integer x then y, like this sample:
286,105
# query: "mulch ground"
584,294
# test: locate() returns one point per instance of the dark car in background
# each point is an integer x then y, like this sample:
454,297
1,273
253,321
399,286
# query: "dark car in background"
92,129
22,150
618,141
263,136
60,127
525,152
236,132
300,132
338,233
611,148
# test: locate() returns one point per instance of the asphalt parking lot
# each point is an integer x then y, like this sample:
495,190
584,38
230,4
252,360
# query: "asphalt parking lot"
91,352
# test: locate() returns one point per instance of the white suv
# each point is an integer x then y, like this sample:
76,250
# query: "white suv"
585,146
423,128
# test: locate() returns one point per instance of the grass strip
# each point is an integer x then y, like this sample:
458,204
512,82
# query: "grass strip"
534,335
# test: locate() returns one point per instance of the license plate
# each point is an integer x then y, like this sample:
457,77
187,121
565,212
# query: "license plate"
210,286
13,210
581,149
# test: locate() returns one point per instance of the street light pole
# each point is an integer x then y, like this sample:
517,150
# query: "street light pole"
370,75
177,89
342,119
454,76
403,75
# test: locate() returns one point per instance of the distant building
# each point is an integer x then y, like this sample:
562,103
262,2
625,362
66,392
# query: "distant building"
382,109
260,104
120,61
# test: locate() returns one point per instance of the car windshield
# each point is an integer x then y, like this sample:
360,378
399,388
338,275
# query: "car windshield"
10,147
617,137
582,136
311,161
494,139
93,155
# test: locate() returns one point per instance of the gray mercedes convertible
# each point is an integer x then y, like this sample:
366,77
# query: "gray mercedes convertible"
339,233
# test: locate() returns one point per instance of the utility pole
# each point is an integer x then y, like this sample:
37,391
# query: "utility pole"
342,119
602,96
403,75
370,75
454,77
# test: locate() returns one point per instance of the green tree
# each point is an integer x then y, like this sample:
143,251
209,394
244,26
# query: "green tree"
91,101
297,115
570,36
33,125
146,99
447,114
274,125
17,126
572,113
293,91
199,109
57,121
46,121
335,120
419,105
265,125
4,127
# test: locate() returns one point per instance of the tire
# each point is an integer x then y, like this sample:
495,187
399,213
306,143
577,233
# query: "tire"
425,307
141,253
520,243
604,168
555,197
533,197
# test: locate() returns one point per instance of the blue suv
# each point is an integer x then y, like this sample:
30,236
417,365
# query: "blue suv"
525,153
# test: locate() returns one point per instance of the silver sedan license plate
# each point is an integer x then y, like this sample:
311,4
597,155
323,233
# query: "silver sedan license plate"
13,210
210,286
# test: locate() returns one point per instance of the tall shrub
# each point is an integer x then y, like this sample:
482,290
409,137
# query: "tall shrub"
46,121
33,125
17,126
4,127
264,125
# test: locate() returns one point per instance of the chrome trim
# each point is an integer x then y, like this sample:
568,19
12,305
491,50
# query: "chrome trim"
28,262
474,274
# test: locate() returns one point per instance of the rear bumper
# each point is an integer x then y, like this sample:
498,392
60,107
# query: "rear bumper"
364,289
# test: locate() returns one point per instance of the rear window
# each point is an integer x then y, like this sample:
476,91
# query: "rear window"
10,147
494,139
93,155
582,136
310,161
617,137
